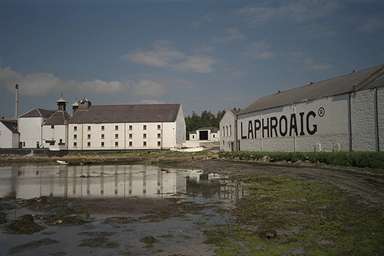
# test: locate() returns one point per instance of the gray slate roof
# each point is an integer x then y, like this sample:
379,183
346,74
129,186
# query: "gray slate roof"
11,125
38,112
58,118
356,81
126,113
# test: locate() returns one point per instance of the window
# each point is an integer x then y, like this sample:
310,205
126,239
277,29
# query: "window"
130,135
102,136
130,127
116,127
144,127
89,144
144,143
75,128
89,136
52,126
158,127
158,135
230,130
74,136
223,131
213,135
226,129
158,143
116,136
116,144
130,143
102,127
75,144
144,136
89,128
102,144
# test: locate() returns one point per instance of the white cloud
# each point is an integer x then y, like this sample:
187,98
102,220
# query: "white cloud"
164,55
149,88
40,84
298,10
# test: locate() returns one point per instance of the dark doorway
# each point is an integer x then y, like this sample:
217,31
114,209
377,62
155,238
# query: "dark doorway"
203,135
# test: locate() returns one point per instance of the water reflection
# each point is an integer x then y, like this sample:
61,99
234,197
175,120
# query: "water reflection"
113,181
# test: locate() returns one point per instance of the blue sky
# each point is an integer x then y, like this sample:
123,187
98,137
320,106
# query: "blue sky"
204,54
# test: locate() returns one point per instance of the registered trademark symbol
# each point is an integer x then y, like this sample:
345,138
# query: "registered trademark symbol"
321,111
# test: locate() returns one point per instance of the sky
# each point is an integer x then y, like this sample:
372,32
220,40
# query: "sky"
205,54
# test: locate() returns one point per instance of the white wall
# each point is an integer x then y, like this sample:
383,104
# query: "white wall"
331,128
363,121
380,108
57,133
180,127
30,131
7,138
227,139
167,139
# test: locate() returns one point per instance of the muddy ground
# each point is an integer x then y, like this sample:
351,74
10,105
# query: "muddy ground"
282,210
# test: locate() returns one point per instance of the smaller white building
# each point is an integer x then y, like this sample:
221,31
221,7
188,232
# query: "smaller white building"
30,127
228,129
9,136
205,134
55,128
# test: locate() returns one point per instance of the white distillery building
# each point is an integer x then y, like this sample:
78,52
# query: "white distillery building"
55,128
344,113
205,134
228,140
9,136
30,127
121,127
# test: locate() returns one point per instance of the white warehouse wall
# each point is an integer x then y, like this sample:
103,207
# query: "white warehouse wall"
57,133
363,121
227,139
162,133
7,138
327,120
380,112
30,131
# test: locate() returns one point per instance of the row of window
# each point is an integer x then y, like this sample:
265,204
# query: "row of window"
117,144
130,127
116,136
227,131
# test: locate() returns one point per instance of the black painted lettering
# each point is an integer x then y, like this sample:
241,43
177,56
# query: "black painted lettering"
265,127
314,126
250,130
257,126
301,123
293,125
283,123
241,131
274,124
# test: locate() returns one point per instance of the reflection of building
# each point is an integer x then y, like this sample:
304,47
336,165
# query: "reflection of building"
110,181
90,181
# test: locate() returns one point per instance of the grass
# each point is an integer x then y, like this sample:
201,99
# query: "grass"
354,159
285,216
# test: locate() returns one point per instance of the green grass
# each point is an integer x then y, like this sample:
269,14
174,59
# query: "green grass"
308,216
354,159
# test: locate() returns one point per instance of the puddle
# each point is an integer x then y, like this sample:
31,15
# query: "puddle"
119,209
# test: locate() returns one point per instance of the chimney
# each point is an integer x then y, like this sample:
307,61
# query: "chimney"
61,103
17,101
75,106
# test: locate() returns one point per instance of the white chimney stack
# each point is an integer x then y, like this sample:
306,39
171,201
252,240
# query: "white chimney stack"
17,102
